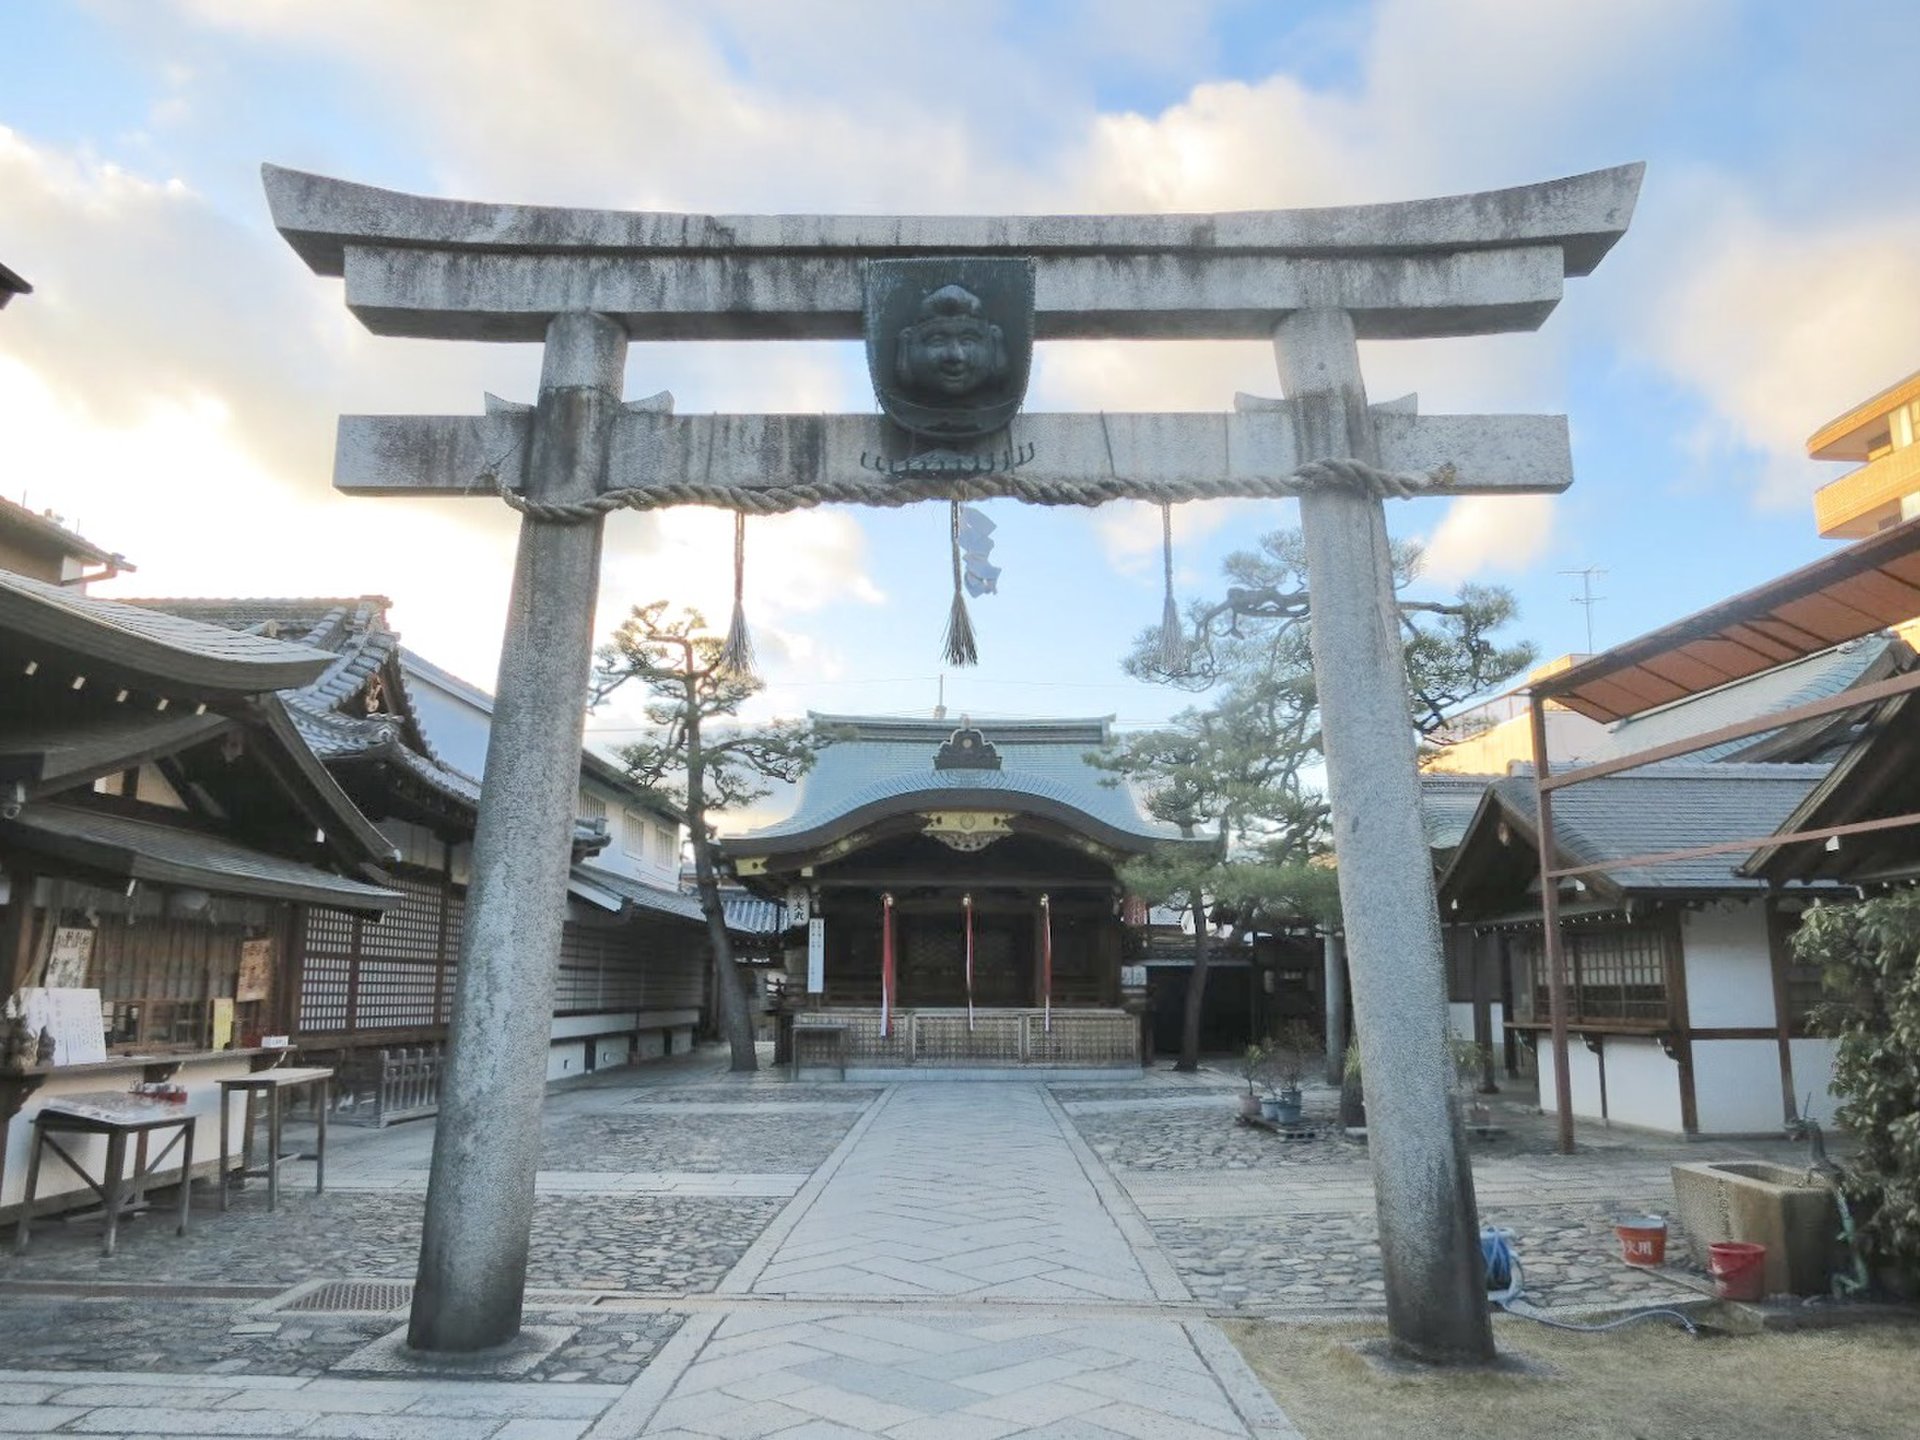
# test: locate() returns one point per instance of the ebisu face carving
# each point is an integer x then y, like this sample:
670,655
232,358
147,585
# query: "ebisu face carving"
949,344
951,349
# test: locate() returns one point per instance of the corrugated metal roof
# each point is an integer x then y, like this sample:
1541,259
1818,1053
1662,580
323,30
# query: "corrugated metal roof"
1813,677
145,849
1868,586
887,760
1667,807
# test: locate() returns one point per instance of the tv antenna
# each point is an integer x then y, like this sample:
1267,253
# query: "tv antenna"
1586,599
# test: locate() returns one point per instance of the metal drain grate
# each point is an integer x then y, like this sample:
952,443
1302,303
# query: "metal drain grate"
134,1290
356,1295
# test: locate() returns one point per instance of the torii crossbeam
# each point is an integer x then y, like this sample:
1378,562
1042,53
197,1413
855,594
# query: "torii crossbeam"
585,282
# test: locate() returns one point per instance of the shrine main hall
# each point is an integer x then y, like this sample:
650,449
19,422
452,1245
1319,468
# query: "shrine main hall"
960,894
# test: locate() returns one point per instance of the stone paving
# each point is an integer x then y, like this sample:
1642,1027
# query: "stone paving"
717,1257
654,1243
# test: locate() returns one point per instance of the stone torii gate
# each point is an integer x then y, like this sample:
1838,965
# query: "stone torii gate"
585,282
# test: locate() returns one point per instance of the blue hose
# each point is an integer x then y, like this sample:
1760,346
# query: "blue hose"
1504,1290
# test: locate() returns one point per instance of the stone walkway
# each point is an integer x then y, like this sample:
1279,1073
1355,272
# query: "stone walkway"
724,1257
926,1262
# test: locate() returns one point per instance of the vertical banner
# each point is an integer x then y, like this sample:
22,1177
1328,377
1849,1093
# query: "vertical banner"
816,955
966,907
886,964
1046,965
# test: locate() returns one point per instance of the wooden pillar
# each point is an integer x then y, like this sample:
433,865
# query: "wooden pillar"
1550,929
17,928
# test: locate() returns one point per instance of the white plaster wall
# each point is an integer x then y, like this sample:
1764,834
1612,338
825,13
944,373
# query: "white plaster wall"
1736,1087
1729,970
1813,1074
1583,1071
1643,1085
1460,1020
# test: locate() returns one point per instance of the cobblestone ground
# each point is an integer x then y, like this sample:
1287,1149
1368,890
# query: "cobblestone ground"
698,1141
223,1337
1568,1254
1251,1218
656,1243
758,1091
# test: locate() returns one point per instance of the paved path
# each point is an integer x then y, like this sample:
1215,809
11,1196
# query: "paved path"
1034,1301
961,1267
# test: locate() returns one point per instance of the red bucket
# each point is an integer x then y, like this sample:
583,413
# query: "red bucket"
1643,1239
1739,1270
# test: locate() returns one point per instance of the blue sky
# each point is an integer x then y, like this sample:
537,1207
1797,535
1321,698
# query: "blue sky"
172,385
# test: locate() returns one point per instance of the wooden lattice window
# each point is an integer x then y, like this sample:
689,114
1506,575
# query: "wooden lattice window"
1615,973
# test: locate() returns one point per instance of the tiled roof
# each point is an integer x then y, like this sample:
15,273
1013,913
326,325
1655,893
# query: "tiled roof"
1663,808
148,850
50,533
887,760
751,915
1797,683
354,632
167,646
599,886
1447,803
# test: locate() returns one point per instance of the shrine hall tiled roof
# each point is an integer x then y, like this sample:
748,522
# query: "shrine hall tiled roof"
884,765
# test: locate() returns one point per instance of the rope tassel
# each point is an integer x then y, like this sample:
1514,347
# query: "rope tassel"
960,648
736,655
1173,643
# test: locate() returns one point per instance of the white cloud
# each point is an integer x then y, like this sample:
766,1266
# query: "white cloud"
1778,327
1489,535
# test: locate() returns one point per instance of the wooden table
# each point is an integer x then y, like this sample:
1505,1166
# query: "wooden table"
274,1083
115,1114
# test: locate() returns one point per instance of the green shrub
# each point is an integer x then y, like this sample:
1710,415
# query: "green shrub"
1869,957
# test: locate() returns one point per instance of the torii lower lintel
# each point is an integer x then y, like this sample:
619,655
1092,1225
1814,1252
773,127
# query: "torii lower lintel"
768,463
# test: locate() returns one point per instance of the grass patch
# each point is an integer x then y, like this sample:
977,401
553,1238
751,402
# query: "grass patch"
1855,1383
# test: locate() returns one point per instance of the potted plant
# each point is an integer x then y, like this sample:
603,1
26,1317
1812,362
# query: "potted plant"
1353,1098
1469,1063
1252,1067
1291,1053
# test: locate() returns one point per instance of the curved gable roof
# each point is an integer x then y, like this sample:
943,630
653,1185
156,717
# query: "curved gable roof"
885,766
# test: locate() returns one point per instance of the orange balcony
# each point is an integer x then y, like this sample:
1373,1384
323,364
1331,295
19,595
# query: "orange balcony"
1868,499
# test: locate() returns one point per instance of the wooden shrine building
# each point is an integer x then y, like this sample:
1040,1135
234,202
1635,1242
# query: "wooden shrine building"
962,895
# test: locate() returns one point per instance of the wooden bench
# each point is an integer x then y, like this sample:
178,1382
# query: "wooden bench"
115,1114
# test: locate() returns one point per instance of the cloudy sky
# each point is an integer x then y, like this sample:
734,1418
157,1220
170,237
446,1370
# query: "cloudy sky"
172,384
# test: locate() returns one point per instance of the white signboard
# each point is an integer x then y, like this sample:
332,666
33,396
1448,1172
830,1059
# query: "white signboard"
816,956
1133,977
79,1037
72,953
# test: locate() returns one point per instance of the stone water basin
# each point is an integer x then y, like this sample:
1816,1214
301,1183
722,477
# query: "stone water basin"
1782,1207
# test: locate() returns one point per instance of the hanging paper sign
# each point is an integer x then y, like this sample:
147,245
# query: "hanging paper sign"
816,956
222,1023
256,971
70,958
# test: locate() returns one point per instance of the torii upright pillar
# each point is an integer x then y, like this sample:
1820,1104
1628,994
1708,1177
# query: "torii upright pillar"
1423,1186
486,1141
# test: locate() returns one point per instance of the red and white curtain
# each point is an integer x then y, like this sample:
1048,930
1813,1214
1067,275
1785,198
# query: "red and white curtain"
966,910
1046,965
887,977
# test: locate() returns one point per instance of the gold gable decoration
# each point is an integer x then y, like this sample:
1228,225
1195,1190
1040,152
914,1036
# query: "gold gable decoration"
967,830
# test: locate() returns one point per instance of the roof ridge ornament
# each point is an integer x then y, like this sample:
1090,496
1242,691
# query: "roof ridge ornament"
967,748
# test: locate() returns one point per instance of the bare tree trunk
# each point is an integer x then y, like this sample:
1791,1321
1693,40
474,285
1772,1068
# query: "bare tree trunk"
1189,1060
736,1024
